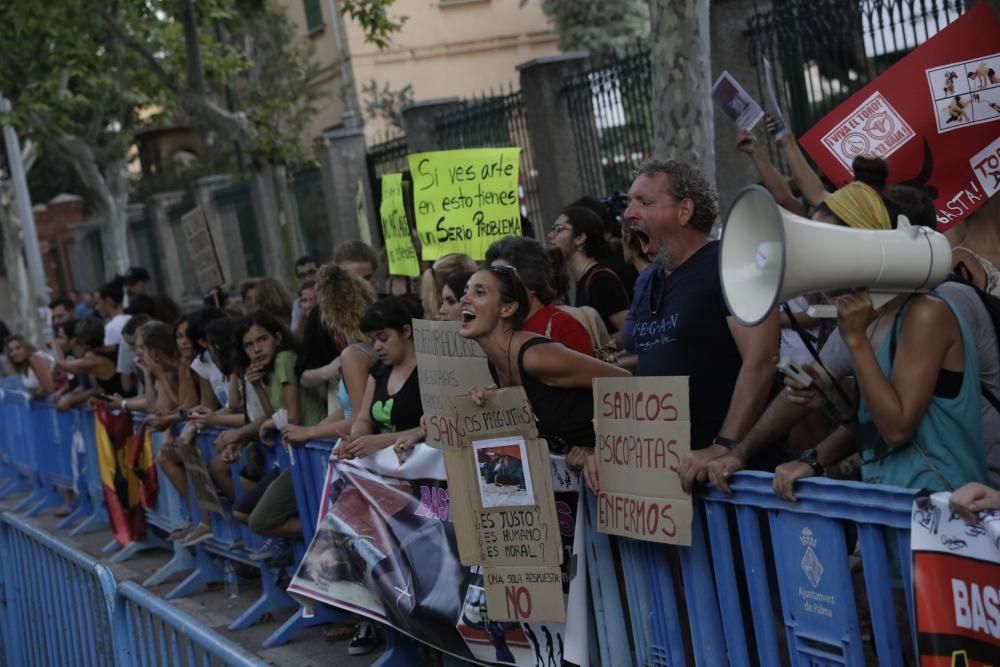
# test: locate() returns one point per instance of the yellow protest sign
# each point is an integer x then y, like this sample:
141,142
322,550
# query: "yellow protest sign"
466,199
398,243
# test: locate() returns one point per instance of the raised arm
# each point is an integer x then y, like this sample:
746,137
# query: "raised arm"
558,366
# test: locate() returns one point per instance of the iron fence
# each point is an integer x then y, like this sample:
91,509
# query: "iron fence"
388,156
610,111
823,51
494,121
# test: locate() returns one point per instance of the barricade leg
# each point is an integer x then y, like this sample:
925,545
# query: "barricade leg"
90,524
134,547
322,615
272,598
205,572
50,498
182,561
16,484
400,651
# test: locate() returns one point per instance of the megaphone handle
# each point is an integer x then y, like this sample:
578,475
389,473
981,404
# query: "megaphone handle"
828,311
822,311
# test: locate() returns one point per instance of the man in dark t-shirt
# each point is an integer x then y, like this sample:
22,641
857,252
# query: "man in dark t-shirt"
682,324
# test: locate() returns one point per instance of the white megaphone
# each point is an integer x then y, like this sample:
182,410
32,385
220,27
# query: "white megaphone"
769,255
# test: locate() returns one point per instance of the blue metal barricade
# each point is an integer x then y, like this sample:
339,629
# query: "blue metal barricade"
766,579
64,608
153,632
58,601
52,460
93,511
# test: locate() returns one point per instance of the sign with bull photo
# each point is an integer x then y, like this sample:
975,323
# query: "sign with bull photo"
643,433
504,475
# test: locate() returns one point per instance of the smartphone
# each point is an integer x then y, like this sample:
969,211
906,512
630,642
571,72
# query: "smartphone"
791,369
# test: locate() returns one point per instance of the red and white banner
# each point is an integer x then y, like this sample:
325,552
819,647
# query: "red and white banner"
956,585
934,117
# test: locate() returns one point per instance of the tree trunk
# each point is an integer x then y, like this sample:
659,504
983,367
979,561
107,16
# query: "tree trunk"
114,232
267,213
25,321
110,190
682,107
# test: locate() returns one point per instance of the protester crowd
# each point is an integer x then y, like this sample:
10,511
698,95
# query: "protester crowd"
904,394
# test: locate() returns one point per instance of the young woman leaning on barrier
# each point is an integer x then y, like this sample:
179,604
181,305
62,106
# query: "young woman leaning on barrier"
37,369
557,380
90,358
391,409
268,356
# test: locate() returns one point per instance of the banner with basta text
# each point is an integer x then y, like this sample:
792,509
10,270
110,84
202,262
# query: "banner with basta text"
956,584
464,200
643,428
934,117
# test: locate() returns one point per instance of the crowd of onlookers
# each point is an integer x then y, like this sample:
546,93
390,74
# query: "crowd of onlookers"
903,394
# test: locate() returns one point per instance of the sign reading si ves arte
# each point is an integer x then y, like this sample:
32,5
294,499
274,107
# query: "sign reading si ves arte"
643,429
466,199
398,243
934,117
956,585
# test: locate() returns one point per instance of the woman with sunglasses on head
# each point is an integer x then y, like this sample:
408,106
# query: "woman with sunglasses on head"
557,380
579,235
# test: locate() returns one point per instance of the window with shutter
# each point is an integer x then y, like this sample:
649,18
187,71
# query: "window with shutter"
314,15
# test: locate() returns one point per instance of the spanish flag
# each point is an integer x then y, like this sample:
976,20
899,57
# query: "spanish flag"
128,472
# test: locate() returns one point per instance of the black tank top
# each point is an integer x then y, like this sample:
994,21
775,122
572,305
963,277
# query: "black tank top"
399,411
565,416
113,385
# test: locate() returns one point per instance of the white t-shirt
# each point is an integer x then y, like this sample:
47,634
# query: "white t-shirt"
205,368
113,329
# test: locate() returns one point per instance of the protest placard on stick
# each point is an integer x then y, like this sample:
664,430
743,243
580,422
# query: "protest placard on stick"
201,245
201,480
398,242
465,199
504,474
643,433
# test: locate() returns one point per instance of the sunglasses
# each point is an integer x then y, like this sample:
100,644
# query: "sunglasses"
504,269
559,229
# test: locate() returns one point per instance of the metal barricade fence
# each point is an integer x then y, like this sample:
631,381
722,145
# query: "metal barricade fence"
154,632
61,607
766,580
57,601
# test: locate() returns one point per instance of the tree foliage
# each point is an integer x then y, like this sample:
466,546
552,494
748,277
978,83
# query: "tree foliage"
605,29
373,16
385,103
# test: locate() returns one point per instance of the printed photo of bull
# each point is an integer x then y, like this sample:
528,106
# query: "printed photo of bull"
504,476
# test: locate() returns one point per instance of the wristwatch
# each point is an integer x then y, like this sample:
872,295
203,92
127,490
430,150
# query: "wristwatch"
728,443
809,457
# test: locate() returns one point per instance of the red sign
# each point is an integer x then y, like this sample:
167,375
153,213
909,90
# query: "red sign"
934,117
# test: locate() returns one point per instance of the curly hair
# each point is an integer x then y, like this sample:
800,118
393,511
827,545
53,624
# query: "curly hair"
685,181
343,299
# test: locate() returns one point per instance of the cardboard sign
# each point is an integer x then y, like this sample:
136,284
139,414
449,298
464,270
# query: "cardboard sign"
503,473
398,243
934,117
465,199
643,433
201,480
447,365
529,594
201,245
956,576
